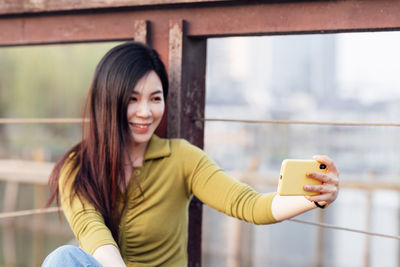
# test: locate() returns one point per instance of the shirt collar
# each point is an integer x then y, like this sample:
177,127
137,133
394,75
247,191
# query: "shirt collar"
158,148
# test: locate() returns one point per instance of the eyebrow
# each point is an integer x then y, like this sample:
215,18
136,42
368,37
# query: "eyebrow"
153,93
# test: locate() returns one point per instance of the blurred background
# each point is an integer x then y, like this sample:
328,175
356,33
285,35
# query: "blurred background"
331,78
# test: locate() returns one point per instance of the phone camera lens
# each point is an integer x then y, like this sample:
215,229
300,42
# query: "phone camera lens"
322,166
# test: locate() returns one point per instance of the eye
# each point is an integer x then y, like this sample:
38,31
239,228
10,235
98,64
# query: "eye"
157,99
133,99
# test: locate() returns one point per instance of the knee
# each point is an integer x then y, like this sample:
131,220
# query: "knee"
62,256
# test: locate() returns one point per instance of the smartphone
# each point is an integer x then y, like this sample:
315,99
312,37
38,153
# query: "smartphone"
293,177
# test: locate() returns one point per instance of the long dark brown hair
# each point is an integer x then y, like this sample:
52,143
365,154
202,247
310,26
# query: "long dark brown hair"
103,152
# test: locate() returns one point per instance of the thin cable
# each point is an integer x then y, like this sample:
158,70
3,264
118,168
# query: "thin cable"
386,124
42,120
28,212
79,120
325,225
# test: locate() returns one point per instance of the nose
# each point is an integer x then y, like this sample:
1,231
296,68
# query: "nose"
143,110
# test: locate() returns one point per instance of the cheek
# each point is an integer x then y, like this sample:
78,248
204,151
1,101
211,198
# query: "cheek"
159,110
130,110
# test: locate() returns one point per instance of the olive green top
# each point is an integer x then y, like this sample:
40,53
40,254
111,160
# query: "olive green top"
154,225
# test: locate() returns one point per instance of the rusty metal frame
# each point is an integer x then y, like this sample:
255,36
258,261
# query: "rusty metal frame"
18,6
206,20
187,71
178,30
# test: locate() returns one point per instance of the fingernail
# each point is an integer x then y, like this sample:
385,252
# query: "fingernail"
307,187
310,174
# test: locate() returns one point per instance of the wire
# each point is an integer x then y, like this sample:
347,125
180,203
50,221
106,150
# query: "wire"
28,212
42,120
386,124
325,225
79,120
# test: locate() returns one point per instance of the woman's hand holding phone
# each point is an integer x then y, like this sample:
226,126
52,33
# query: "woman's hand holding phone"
329,188
302,181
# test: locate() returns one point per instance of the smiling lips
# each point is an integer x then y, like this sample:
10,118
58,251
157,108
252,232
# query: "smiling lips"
140,127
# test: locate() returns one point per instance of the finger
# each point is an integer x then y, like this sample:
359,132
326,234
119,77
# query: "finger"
329,198
323,189
325,178
331,167
309,198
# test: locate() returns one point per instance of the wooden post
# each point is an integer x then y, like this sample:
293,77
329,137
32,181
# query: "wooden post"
320,240
186,100
367,245
38,221
10,204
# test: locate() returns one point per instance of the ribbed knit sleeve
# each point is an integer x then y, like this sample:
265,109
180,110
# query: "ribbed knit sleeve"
85,221
216,189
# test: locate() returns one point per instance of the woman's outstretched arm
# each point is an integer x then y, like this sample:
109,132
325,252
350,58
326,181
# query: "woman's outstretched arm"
285,207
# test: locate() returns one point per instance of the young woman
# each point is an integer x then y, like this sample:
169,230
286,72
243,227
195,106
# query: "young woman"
125,192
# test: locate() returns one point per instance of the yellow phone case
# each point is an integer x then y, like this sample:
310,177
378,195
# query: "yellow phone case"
293,177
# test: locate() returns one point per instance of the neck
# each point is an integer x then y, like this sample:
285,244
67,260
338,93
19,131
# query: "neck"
137,152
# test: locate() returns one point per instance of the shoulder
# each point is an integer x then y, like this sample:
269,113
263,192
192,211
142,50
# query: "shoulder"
69,170
179,143
189,155
175,149
183,147
164,146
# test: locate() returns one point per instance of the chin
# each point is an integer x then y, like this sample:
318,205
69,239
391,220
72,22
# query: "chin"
142,140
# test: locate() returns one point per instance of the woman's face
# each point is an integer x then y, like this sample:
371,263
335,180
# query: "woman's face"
146,108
